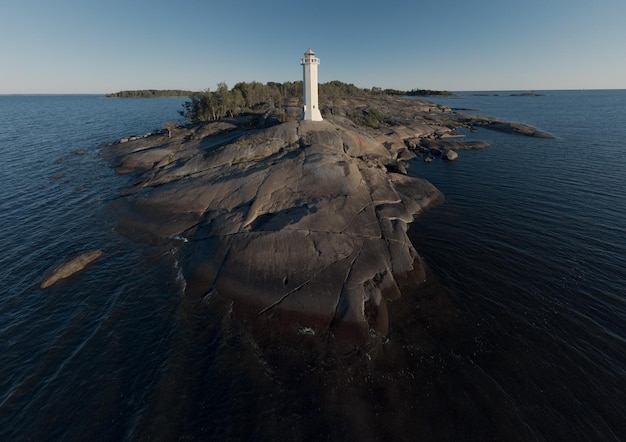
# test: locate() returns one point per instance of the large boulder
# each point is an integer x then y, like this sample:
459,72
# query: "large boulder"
449,155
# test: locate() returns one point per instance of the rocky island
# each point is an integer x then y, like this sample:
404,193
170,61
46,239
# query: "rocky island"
299,226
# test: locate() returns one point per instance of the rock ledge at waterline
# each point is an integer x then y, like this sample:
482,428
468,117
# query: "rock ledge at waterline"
300,224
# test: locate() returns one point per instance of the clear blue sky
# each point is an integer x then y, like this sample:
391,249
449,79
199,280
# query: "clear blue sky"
87,46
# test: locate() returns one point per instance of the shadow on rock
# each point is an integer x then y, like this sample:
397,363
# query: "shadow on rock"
231,381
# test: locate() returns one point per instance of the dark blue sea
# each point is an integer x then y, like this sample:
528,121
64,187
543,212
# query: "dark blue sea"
523,338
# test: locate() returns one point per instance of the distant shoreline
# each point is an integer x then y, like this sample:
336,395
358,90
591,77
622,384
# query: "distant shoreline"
151,93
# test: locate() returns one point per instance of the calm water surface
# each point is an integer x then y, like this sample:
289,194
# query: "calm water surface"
81,358
531,242
525,342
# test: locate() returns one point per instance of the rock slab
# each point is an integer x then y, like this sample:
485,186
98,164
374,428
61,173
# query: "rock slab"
70,267
299,225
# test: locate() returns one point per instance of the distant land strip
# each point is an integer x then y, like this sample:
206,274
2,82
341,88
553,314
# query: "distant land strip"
160,93
151,93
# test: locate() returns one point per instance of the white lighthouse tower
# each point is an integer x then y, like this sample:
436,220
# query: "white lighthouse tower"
310,109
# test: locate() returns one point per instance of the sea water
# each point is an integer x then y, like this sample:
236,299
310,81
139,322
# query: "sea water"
532,243
526,339
78,359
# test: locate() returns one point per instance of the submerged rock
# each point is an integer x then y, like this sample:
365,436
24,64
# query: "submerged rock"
452,145
474,121
517,128
70,267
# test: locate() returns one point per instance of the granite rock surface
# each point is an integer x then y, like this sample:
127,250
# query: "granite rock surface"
300,224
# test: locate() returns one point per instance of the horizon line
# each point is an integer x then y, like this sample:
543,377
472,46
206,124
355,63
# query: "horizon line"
10,94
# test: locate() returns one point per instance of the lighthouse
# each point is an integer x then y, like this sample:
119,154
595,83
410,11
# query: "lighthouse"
310,108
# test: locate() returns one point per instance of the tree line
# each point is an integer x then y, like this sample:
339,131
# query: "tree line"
418,93
242,98
256,97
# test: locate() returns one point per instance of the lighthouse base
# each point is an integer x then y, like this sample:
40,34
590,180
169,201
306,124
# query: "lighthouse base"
311,114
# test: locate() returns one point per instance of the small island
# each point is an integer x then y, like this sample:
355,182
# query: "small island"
526,94
295,219
301,225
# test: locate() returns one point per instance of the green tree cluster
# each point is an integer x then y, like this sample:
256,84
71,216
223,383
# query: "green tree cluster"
337,90
242,98
371,117
255,97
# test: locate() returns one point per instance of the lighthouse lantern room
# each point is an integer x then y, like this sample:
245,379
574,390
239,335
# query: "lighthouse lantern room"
310,108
